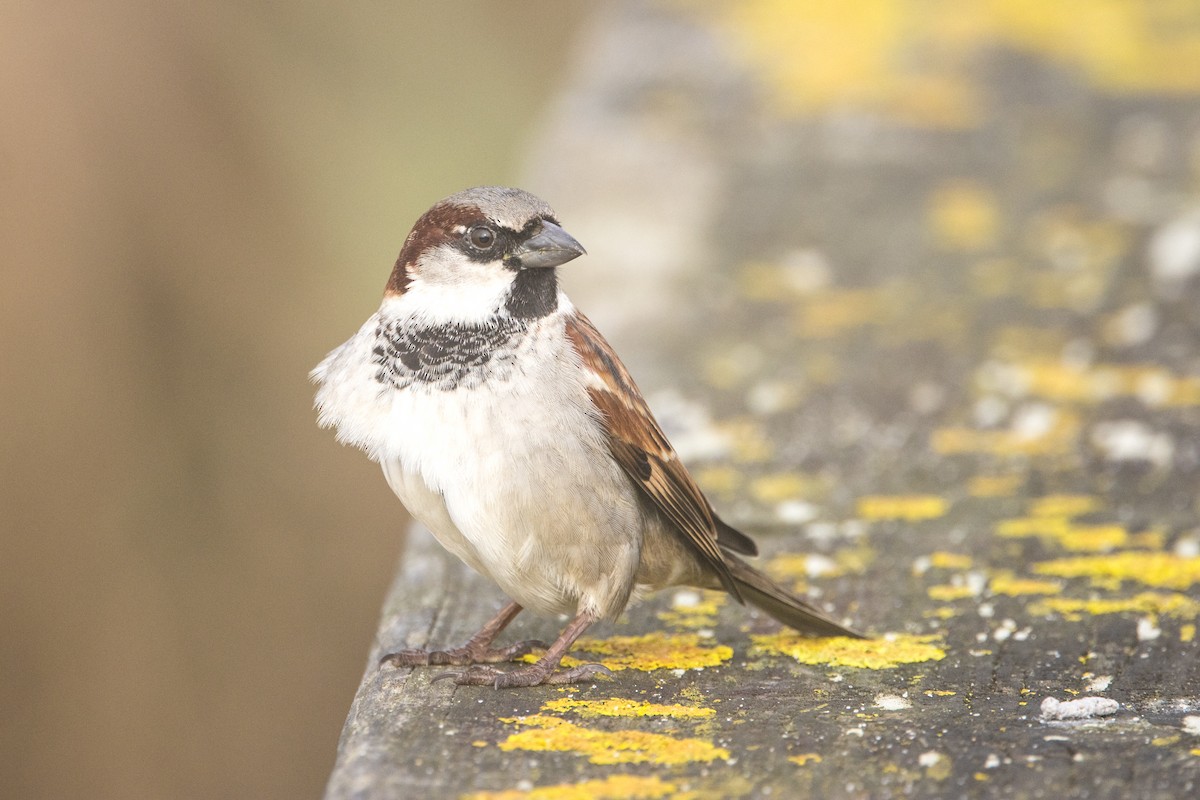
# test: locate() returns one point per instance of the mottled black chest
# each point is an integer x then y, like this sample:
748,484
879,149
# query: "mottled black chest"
445,357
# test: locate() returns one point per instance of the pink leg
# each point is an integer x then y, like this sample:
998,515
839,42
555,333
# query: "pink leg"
477,650
545,671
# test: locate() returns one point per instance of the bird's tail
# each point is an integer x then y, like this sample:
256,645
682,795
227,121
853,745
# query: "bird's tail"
781,604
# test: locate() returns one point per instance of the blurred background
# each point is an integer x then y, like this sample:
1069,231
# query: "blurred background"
199,201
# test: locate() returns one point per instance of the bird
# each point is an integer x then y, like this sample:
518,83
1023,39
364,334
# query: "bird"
506,424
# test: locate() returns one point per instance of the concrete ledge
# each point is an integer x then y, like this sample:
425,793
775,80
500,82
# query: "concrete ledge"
946,374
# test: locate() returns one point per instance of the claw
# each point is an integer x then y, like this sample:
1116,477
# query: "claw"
533,675
462,656
477,675
579,674
538,675
407,658
478,653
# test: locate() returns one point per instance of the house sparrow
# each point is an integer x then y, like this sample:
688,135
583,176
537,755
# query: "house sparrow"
507,425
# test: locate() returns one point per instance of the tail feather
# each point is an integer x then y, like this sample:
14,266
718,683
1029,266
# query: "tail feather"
734,540
781,604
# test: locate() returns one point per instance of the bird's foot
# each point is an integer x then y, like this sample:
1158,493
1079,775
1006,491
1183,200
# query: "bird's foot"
538,674
462,656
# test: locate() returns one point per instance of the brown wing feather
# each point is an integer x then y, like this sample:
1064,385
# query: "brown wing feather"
641,448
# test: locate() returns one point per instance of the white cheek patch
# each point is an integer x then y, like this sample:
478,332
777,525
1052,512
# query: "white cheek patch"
446,264
448,287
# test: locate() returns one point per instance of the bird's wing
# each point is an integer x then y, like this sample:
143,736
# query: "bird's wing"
641,448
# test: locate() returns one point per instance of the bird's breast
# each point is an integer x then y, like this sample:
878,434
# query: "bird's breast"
519,485
493,443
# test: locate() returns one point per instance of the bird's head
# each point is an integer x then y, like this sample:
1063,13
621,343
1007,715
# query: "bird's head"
484,251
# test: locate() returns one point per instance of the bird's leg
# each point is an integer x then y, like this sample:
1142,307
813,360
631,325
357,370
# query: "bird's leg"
544,671
477,650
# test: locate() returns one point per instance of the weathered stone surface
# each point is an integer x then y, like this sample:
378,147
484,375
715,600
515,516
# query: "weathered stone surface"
938,350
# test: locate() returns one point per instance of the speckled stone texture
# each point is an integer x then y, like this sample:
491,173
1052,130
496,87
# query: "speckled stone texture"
925,324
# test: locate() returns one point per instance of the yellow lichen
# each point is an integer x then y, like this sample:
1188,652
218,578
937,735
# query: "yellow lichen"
940,692
1058,438
941,612
1066,534
938,766
550,734
699,614
620,707
796,567
653,651
747,439
1094,538
963,216
1168,603
614,787
906,507
1007,584
943,560
800,567
947,592
764,282
780,486
912,62
1063,505
1023,342
841,651
1020,527
1120,45
854,560
1152,539
813,56
805,758
1052,379
1187,632
725,370
994,485
723,480
1161,570
829,312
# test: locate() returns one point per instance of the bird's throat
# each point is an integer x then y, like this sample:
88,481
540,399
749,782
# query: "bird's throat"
533,295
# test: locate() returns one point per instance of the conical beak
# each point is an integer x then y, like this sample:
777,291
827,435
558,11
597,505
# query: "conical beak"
549,247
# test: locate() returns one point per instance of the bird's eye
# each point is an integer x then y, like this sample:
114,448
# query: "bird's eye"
481,237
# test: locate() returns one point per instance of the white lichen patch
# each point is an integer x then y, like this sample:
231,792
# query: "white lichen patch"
892,702
1081,708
